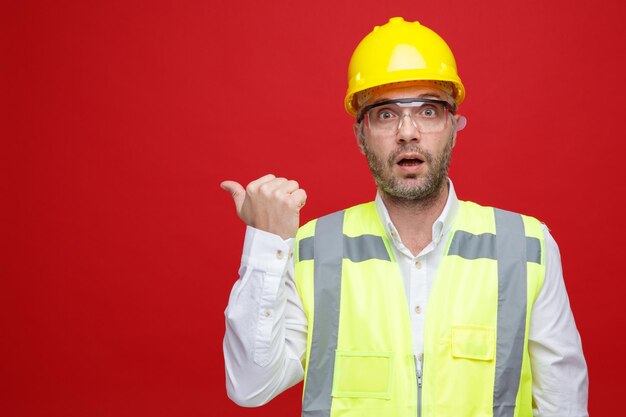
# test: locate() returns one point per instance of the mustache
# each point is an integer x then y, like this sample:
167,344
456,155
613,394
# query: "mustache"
409,148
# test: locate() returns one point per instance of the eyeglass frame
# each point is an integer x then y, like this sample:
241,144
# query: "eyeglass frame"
451,108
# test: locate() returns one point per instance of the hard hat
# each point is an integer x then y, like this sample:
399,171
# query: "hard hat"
400,51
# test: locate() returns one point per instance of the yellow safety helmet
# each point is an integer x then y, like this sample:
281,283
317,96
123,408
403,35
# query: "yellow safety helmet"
400,51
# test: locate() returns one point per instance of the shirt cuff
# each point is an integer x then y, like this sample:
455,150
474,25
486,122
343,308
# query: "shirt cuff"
266,251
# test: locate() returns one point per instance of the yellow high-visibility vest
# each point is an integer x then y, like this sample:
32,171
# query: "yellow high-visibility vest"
360,359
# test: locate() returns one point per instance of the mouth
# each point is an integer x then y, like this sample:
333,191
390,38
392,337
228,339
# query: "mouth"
410,160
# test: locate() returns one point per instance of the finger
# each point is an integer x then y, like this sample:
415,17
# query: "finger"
260,181
236,191
272,186
298,198
288,187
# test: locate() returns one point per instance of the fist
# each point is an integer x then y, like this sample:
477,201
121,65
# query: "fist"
269,203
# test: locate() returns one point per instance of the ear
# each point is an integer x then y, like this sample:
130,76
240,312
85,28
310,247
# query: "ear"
356,128
461,122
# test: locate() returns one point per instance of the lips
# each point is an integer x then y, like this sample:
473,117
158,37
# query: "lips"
409,160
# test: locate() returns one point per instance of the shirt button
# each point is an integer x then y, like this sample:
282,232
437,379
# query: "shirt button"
280,254
420,357
418,264
418,309
394,234
290,254
267,313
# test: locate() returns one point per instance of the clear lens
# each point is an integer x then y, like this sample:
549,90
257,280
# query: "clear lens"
427,116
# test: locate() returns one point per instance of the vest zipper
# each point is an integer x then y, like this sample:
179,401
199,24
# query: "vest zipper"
418,371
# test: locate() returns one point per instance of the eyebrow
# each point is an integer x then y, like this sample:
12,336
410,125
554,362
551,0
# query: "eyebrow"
431,95
423,95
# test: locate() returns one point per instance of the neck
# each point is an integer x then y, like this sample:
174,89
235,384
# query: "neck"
414,219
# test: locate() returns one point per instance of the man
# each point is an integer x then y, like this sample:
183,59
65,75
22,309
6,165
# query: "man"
348,298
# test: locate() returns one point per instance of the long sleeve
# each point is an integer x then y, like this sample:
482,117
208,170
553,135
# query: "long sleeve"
558,365
265,338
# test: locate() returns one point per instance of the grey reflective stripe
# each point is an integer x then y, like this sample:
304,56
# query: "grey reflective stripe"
357,249
305,249
512,253
533,250
328,249
470,246
364,247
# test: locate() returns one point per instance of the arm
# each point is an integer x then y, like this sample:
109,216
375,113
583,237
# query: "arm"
265,336
558,365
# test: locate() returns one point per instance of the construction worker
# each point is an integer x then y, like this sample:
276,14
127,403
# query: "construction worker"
415,304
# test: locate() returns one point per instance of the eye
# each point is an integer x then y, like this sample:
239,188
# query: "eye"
385,114
429,111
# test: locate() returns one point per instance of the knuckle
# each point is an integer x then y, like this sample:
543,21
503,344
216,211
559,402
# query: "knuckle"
298,198
265,189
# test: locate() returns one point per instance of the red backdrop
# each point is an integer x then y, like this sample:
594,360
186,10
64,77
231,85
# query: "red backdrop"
120,118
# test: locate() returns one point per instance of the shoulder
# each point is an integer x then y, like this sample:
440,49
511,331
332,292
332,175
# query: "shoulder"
364,212
493,217
475,208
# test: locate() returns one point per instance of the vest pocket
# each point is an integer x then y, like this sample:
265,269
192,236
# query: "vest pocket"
473,342
362,374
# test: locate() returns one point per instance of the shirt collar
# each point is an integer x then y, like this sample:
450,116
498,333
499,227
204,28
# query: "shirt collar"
441,226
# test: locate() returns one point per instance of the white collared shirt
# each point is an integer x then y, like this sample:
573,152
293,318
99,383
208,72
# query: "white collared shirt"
418,272
266,327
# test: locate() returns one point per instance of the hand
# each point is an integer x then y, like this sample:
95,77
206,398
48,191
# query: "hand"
269,203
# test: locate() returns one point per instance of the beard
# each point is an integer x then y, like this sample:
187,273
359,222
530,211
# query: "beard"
405,192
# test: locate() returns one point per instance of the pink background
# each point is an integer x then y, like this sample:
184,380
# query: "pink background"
120,118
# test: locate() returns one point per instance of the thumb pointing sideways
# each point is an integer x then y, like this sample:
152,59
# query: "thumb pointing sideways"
236,191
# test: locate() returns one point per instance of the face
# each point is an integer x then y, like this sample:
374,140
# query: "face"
408,165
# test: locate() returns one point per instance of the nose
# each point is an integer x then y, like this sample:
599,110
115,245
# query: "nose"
407,129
